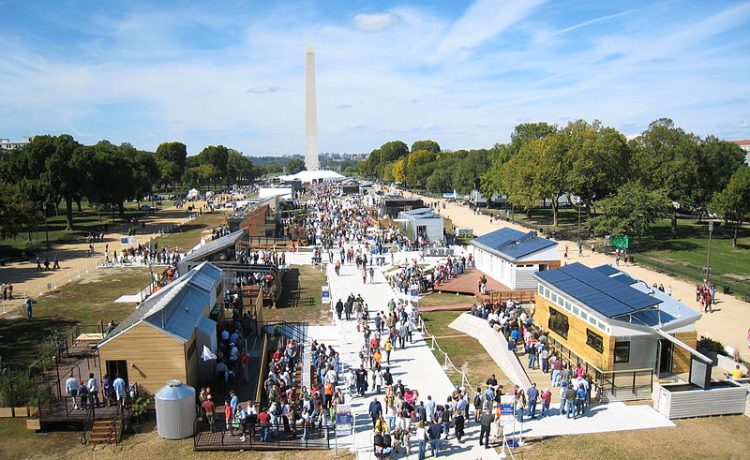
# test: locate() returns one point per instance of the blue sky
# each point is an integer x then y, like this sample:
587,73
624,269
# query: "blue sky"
463,73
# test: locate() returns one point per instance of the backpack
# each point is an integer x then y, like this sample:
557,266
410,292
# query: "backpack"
386,440
477,400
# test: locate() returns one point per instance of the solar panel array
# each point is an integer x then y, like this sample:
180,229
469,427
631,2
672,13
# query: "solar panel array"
512,243
608,296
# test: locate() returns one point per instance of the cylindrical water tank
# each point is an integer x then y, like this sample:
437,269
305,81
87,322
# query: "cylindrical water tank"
175,410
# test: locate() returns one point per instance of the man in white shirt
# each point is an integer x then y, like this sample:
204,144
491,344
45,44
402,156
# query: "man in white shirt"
71,387
93,388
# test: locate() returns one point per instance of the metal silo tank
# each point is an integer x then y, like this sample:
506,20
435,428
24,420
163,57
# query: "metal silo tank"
175,410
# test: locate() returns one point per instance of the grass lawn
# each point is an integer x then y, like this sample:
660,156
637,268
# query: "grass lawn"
190,234
301,283
18,443
86,302
86,221
704,438
437,299
685,254
466,353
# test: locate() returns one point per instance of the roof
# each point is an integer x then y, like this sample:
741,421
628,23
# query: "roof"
177,308
742,142
219,244
422,213
511,244
598,290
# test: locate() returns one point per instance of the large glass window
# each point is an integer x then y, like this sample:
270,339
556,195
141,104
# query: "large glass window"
622,352
594,340
558,323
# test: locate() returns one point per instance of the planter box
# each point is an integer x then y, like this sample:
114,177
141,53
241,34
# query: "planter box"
21,412
33,424
6,412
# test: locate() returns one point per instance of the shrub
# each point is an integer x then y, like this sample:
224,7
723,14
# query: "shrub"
709,344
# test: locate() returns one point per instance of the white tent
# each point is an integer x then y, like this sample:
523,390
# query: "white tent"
317,175
193,193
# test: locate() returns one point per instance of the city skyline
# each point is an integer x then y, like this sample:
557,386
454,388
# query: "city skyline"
461,73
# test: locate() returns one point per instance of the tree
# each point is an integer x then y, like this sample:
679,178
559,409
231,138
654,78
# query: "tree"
171,158
418,167
440,181
430,146
551,164
600,161
391,151
527,132
717,161
666,157
294,166
239,168
109,174
733,203
468,170
397,170
217,156
631,211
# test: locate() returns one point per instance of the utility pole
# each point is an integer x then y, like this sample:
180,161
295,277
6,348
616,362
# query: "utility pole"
46,230
708,255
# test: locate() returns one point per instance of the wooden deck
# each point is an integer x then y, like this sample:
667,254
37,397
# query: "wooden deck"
222,440
467,284
61,411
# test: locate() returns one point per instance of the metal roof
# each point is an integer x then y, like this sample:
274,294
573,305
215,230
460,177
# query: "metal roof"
596,290
219,244
422,213
177,307
511,244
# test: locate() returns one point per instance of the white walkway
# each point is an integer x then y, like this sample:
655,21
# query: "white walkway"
415,366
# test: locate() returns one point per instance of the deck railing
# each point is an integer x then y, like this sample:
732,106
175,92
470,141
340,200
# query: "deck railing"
219,437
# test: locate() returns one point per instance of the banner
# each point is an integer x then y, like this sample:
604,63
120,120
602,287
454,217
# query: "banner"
325,294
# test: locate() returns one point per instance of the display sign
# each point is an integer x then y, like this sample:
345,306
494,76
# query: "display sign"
325,294
507,405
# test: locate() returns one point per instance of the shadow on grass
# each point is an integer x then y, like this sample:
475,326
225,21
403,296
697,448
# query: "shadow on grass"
291,289
19,338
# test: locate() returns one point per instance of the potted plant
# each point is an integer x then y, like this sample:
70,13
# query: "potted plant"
140,407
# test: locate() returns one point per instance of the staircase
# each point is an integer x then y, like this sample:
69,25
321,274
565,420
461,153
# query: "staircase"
105,431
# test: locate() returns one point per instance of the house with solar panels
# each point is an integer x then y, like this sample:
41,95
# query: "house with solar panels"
162,339
602,318
513,257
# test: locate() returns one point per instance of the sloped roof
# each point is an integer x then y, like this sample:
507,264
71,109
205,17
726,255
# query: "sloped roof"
219,244
424,213
309,176
178,307
512,244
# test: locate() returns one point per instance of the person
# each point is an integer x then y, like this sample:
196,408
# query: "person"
375,410
264,419
83,395
736,373
421,436
532,395
458,425
119,387
28,306
486,425
210,408
242,419
570,398
228,415
71,387
477,404
434,432
546,400
580,399
93,390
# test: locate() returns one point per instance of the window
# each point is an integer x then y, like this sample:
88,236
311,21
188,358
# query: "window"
622,352
558,323
594,340
584,315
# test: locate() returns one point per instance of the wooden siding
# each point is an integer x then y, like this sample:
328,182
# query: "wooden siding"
576,340
680,356
157,356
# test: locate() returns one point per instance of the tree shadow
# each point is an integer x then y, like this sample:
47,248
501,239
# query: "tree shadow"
290,289
19,338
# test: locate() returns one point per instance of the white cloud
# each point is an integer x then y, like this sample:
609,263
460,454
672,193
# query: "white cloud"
373,22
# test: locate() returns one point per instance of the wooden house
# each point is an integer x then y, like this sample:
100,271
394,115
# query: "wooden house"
164,337
614,322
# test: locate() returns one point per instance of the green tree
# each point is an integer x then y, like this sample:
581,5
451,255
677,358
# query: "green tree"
666,157
631,211
717,161
527,132
440,181
468,170
294,166
239,168
733,203
391,151
171,158
551,163
430,146
217,156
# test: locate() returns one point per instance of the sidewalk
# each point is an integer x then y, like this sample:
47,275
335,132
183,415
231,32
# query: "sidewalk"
728,324
415,365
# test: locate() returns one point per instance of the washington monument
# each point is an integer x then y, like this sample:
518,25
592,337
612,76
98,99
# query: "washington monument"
311,115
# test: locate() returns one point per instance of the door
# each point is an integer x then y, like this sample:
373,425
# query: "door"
117,367
665,356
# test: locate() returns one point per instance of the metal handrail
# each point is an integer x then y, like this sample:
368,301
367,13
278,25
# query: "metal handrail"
88,423
326,431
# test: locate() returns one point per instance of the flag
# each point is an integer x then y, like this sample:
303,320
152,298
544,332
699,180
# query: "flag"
206,354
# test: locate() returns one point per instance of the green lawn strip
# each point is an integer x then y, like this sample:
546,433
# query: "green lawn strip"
464,351
188,235
437,299
83,302
300,284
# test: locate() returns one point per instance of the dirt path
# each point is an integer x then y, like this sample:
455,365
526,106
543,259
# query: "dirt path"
74,260
728,324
